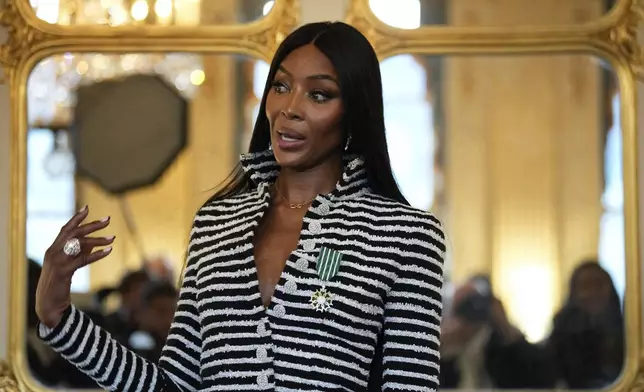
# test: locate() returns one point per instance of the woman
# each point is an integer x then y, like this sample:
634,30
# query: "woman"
587,340
481,349
307,271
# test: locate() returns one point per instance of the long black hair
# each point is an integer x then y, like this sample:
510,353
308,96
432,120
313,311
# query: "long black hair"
585,354
614,303
358,70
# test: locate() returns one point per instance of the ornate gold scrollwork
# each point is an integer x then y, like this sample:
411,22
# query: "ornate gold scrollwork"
30,39
25,35
638,384
624,38
21,37
8,382
613,37
274,36
357,17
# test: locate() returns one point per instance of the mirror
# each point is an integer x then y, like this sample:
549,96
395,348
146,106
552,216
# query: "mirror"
210,100
412,14
520,156
151,12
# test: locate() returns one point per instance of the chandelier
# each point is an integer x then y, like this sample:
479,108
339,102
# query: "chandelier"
52,83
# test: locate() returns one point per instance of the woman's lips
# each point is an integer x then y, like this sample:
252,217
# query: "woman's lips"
289,140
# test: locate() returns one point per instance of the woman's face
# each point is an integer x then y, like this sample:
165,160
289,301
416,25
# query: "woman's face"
304,109
593,291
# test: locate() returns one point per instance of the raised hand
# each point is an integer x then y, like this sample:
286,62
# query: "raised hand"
72,249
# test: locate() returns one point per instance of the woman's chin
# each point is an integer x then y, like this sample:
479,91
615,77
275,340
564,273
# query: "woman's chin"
305,160
289,159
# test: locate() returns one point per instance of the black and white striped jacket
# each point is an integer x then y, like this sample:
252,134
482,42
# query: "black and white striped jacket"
385,295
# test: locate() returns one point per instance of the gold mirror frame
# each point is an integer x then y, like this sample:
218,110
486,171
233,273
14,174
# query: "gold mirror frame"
30,36
27,13
31,40
24,10
612,37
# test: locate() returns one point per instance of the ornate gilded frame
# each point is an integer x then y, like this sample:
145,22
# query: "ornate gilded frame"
613,37
30,40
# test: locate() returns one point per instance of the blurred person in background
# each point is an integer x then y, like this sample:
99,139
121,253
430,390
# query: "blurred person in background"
481,349
125,319
158,305
587,340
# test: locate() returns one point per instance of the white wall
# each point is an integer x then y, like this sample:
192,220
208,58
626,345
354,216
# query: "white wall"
317,10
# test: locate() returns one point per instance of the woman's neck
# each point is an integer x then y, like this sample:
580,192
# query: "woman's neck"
304,186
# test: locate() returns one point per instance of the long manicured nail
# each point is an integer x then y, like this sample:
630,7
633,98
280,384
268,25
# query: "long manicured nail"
83,209
110,238
107,250
105,219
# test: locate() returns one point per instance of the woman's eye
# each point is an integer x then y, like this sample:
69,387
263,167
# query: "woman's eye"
279,87
319,96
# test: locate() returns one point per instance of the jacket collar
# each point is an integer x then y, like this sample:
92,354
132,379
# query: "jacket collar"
264,170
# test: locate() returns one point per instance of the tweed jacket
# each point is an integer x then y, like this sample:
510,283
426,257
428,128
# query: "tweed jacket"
365,278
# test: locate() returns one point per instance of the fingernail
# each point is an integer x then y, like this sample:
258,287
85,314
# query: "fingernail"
107,250
83,209
110,238
105,219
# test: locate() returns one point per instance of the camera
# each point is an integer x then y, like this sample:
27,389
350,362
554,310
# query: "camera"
475,307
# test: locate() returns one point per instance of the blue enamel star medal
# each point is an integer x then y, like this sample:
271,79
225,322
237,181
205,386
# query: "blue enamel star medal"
327,265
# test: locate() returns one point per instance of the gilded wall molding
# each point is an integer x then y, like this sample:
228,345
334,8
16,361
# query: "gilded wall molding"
624,38
30,40
614,37
8,382
360,16
281,13
638,384
275,34
21,37
28,35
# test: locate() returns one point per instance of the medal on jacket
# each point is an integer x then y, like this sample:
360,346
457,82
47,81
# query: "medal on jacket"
327,265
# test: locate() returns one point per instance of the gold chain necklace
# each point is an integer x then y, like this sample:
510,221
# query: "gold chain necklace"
291,205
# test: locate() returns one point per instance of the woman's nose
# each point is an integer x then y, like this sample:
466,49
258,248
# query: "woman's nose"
291,114
292,111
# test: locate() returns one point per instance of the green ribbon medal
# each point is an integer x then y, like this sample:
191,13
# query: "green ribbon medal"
327,265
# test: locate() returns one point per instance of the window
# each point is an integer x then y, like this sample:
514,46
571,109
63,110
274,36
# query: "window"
611,230
408,113
410,136
404,14
260,74
258,77
46,10
50,201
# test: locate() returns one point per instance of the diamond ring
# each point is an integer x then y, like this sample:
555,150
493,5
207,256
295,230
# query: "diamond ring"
72,247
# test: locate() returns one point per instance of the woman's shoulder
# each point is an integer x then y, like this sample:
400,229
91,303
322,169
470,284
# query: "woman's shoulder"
386,210
417,234
229,203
